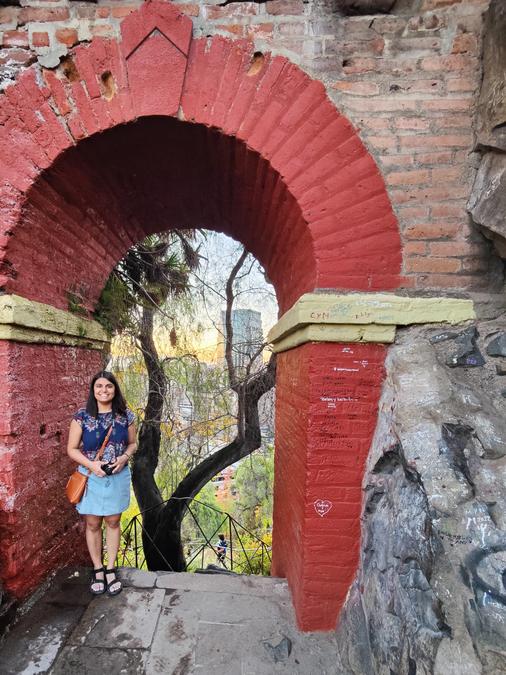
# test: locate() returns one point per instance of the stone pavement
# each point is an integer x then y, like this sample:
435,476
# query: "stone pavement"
166,623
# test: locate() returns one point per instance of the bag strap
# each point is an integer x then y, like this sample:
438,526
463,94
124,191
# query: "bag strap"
103,446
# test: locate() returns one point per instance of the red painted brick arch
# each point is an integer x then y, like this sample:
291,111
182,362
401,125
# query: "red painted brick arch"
157,131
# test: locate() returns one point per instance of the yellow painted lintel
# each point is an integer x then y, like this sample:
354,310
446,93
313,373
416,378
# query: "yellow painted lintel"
28,335
370,309
329,333
29,321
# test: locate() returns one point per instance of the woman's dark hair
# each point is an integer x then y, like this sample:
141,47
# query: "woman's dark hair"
118,402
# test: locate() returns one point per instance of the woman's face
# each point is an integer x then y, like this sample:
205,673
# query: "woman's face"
103,390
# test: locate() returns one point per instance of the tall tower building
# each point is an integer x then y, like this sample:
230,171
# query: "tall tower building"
247,335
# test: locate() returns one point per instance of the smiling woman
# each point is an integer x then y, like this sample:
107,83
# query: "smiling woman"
105,426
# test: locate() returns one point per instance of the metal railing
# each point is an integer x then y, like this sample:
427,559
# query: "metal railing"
245,552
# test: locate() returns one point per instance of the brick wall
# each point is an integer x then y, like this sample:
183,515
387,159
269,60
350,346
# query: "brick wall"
407,81
41,388
326,406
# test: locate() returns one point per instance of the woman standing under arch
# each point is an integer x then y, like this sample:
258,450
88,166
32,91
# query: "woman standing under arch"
105,418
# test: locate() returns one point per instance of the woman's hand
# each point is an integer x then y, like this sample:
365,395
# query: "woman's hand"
95,468
120,462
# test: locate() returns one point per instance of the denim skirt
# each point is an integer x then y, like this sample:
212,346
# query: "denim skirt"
105,496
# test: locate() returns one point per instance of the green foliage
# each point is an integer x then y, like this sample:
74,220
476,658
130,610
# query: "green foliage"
151,271
254,481
115,306
75,302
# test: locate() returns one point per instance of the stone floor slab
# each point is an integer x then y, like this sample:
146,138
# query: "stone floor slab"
88,661
125,621
241,584
130,576
174,643
192,625
33,644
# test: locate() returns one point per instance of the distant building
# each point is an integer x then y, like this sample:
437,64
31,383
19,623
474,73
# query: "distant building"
247,337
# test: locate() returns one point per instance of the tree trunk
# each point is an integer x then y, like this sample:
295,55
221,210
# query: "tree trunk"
145,461
167,536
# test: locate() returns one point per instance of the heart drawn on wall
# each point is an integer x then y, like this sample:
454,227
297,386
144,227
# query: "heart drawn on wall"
322,507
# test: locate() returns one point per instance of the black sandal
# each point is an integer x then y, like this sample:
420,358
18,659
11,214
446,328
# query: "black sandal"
94,581
116,580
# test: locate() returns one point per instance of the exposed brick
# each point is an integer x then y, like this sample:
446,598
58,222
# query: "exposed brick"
462,84
232,9
417,44
276,7
443,141
358,88
385,104
16,55
420,264
102,31
189,9
389,24
232,28
452,122
375,123
102,12
8,15
432,231
408,177
431,194
397,161
66,36
43,14
435,158
451,63
465,43
413,213
451,281
447,174
291,29
121,12
412,123
417,86
261,31
429,22
414,248
448,210
452,248
448,104
15,38
382,142
40,39
355,66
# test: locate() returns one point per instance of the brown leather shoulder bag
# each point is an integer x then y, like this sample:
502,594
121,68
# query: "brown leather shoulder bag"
77,483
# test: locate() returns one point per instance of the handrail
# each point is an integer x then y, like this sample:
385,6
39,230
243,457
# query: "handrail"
237,557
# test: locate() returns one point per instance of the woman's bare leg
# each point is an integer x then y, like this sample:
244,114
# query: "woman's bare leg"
94,543
112,538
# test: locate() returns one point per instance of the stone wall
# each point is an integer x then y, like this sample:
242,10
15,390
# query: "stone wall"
429,597
408,81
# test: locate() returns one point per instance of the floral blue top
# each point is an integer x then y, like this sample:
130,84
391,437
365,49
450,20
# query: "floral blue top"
95,430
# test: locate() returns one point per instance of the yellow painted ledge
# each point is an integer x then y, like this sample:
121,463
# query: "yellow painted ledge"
361,317
23,320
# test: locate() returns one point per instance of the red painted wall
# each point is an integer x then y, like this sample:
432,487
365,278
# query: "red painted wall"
247,145
326,409
41,386
268,159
